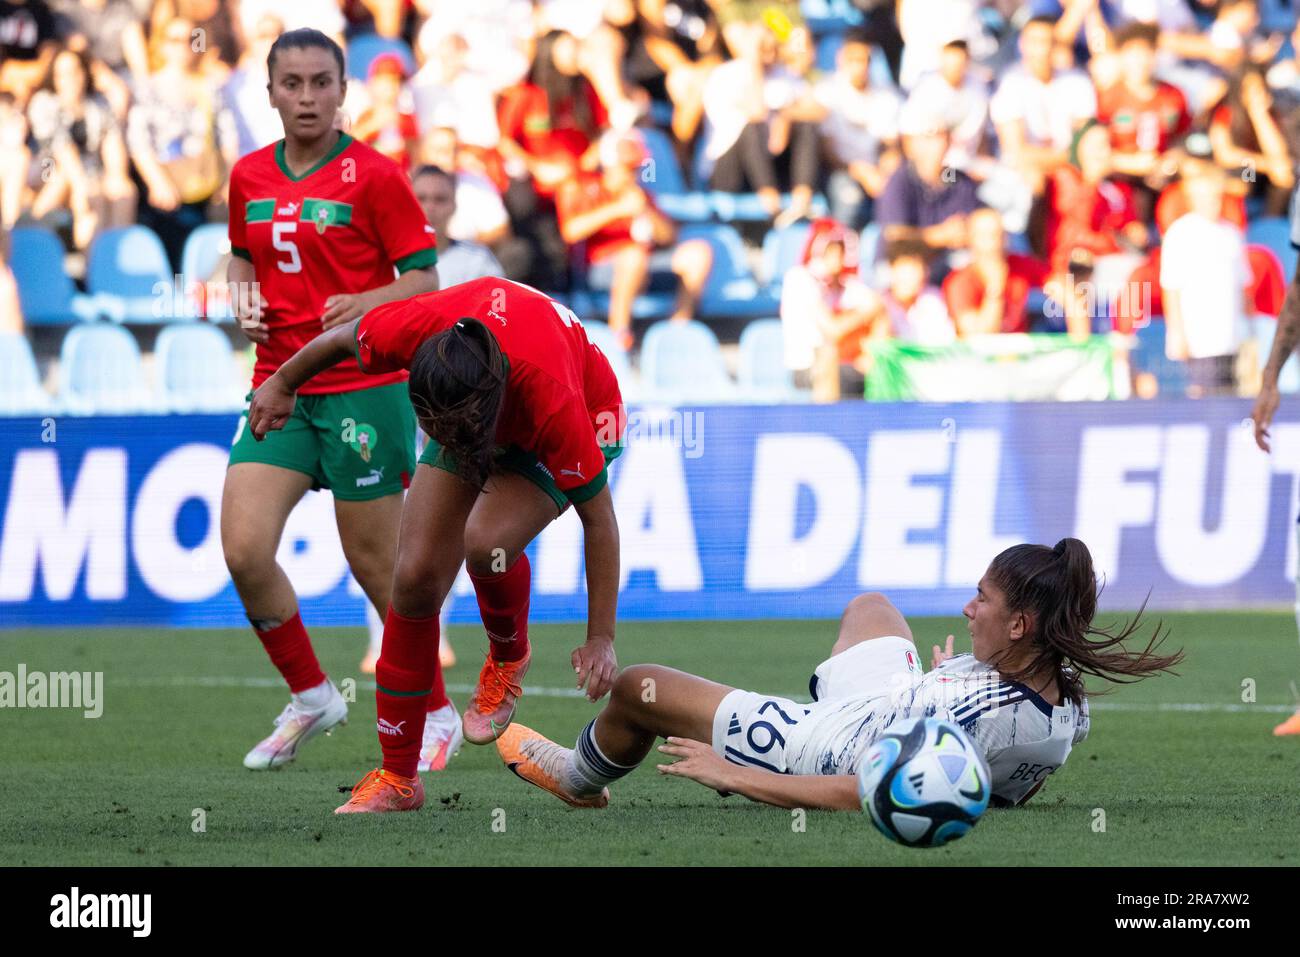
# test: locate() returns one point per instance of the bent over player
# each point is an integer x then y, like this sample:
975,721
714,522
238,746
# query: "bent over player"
523,416
1019,695
322,228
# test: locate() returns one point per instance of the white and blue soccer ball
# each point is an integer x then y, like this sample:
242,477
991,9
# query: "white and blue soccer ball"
924,782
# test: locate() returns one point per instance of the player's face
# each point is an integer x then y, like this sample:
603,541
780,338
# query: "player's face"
307,91
989,621
437,199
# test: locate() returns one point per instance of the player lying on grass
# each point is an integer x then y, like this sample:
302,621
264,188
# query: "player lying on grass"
523,414
1019,695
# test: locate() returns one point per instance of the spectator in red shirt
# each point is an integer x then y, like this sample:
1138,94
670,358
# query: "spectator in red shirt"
620,224
1147,117
1087,208
391,130
991,294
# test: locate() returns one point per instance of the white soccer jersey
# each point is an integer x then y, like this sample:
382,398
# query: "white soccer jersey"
863,690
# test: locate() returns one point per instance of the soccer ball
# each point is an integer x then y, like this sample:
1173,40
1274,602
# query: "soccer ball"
924,782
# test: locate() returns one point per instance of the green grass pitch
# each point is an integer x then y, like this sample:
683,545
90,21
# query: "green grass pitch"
1183,770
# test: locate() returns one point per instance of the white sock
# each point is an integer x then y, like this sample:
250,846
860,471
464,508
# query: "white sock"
588,770
313,699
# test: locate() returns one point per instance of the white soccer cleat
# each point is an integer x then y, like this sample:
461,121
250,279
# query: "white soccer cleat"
443,735
294,727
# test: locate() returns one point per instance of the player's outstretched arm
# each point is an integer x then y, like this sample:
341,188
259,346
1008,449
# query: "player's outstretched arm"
594,662
699,762
274,399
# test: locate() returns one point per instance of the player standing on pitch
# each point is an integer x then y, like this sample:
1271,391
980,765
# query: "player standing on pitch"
523,415
322,228
1285,341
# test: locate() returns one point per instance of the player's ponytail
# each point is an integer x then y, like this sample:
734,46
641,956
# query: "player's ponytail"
457,387
1056,589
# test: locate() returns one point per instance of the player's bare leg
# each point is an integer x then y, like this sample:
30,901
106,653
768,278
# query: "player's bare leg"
510,514
431,547
255,504
868,616
648,702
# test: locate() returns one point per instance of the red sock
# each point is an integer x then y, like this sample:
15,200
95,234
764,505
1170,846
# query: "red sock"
291,653
408,664
438,696
503,605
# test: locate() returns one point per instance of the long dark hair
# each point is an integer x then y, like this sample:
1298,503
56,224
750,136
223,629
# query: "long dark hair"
559,87
457,387
1057,589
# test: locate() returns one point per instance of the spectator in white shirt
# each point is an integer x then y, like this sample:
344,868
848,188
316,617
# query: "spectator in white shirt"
1038,107
859,127
1204,275
959,99
257,123
447,94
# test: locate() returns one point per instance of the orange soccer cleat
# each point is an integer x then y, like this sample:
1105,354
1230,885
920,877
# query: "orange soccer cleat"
384,791
492,705
540,761
1290,726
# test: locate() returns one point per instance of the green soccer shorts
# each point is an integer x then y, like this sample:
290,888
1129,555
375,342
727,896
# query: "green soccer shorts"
512,458
360,444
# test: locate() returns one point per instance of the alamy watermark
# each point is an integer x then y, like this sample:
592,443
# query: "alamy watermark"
82,690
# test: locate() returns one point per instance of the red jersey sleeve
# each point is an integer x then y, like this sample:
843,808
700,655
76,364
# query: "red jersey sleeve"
406,236
237,230
389,335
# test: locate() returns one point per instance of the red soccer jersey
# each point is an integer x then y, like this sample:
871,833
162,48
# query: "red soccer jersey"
964,290
349,224
1138,125
561,395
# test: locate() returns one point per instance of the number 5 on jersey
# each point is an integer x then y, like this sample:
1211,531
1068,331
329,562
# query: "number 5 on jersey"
278,240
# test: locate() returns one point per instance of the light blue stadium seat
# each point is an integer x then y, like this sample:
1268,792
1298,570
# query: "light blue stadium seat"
665,182
731,290
600,336
46,294
362,51
826,15
128,273
1275,233
99,371
20,382
762,371
1264,329
781,251
204,248
194,370
682,364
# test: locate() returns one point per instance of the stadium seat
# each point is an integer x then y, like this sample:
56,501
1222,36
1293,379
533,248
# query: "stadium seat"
823,16
46,294
599,335
362,51
781,250
666,183
682,364
732,291
20,383
204,248
99,371
129,275
762,372
1275,233
194,370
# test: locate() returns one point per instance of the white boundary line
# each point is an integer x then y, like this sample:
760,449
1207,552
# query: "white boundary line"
226,681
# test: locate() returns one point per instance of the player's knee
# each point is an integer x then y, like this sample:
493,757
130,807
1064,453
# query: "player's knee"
635,685
485,553
871,602
417,593
247,560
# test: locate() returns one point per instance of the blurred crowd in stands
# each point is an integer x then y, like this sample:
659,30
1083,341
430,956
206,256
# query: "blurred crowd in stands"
931,170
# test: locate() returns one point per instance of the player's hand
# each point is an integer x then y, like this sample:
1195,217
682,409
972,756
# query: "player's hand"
343,308
271,407
1265,405
250,312
941,655
697,761
596,666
